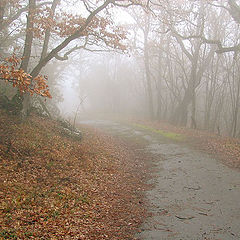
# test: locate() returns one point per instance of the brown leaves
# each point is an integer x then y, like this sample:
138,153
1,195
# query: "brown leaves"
10,72
52,187
65,24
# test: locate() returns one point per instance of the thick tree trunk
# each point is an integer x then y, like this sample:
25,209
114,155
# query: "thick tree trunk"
217,113
27,53
193,83
193,116
181,112
207,107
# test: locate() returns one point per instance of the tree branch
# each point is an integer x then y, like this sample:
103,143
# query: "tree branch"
178,36
69,39
65,56
19,12
218,43
234,10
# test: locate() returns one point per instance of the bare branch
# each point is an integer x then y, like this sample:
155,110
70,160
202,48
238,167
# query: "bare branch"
87,7
218,43
65,56
234,10
178,36
220,6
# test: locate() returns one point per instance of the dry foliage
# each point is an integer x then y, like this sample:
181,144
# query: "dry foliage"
10,72
52,187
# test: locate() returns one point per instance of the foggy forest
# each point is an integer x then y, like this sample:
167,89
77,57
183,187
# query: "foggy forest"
119,119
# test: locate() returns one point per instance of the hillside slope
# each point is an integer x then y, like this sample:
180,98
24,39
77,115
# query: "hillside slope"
52,187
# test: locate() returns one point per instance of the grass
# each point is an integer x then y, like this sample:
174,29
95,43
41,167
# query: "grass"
169,135
226,149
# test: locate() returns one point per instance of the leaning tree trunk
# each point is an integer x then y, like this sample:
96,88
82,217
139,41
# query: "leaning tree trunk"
45,49
29,36
48,31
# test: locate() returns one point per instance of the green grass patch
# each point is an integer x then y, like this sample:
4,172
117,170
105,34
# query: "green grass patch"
170,135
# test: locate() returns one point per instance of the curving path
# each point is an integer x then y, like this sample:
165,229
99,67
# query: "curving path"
194,197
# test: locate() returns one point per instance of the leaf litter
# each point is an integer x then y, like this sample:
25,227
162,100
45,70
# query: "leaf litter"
52,187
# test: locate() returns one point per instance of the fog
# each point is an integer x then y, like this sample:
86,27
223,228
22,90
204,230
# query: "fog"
108,85
170,61
179,67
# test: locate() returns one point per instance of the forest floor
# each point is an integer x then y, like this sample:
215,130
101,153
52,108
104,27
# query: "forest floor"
52,187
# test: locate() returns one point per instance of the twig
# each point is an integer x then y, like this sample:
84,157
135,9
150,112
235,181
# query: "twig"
184,218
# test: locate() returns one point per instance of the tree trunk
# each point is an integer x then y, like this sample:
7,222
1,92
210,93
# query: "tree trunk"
29,36
27,53
159,95
48,31
2,10
235,114
179,116
193,86
147,69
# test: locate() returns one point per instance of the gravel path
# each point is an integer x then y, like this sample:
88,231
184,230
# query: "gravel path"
193,197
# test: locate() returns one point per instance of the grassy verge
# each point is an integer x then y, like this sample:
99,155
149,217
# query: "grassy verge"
167,134
226,149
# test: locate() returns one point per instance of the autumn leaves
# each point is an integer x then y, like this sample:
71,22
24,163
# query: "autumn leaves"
10,72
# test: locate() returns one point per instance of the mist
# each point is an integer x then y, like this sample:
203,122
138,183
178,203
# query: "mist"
175,62
179,68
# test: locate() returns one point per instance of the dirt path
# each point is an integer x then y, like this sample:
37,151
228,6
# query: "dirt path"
194,196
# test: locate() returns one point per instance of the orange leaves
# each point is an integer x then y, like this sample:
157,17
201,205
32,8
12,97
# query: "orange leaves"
10,72
67,24
43,20
41,87
64,25
105,31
